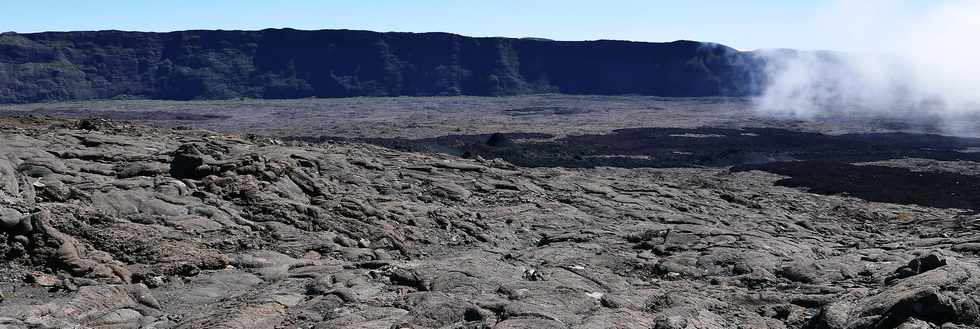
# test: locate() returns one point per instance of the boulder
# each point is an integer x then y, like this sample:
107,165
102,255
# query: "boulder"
9,219
189,162
944,294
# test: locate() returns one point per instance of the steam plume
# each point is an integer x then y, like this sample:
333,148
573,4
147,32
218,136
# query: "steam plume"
895,63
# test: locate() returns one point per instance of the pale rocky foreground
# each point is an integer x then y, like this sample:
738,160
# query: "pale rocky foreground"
110,225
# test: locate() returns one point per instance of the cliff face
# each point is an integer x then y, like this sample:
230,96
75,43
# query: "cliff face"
341,63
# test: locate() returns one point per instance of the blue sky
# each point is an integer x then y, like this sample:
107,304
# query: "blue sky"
744,24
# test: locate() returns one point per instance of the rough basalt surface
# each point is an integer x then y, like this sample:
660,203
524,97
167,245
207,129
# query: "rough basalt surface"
110,225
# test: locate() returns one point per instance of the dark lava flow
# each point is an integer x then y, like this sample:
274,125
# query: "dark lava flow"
676,147
816,161
115,115
877,183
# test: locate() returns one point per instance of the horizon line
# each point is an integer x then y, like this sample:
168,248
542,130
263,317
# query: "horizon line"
529,38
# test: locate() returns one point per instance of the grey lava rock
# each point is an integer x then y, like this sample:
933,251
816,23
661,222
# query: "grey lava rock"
126,226
9,218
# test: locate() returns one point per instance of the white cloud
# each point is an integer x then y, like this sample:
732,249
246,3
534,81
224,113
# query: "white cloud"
902,62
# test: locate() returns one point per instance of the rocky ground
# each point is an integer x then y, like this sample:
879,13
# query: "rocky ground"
430,117
107,224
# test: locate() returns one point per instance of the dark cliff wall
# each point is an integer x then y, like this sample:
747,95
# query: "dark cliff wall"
340,63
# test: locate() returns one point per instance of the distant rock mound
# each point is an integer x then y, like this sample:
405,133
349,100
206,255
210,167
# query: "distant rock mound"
499,140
